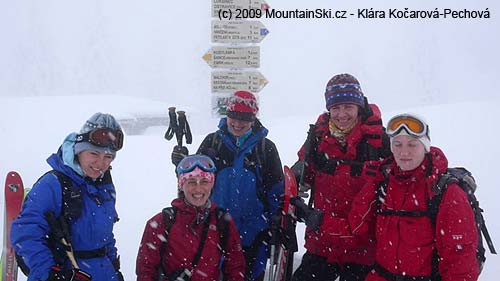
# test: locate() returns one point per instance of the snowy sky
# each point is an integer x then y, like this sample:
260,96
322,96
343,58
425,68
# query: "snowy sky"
63,61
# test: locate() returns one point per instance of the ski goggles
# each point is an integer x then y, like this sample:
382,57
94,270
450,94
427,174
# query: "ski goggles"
411,124
189,163
103,137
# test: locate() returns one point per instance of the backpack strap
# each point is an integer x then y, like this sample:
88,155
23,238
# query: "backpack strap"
72,202
364,152
203,238
398,277
260,156
168,217
222,228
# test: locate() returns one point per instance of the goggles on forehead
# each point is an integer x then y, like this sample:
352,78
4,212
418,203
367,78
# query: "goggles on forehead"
412,125
189,163
103,137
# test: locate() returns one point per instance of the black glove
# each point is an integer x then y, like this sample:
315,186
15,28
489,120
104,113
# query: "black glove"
178,153
120,275
58,274
298,170
312,217
116,266
180,275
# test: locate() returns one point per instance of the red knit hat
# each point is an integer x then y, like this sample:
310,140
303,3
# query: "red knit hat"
242,105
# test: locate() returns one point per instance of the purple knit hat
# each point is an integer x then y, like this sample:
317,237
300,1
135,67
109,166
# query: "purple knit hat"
343,88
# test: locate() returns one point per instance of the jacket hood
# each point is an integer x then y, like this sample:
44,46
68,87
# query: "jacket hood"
369,125
199,214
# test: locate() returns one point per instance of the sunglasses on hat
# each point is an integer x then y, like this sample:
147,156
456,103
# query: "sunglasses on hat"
103,137
411,124
189,163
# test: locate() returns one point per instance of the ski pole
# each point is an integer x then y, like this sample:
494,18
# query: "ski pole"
274,241
172,127
183,128
61,234
307,151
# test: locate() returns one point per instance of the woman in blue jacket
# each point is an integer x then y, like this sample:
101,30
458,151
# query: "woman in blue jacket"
77,193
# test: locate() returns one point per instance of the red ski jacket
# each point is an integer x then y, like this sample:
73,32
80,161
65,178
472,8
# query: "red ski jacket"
335,190
182,245
405,244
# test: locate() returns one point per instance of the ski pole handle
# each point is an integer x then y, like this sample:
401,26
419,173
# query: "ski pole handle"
172,127
184,129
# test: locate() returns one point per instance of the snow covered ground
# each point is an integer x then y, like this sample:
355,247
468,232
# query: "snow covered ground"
33,128
62,61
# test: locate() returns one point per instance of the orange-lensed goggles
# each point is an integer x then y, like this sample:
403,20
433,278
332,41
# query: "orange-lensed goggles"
103,137
411,124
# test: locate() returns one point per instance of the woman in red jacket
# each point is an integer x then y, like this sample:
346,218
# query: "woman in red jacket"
198,246
408,243
340,142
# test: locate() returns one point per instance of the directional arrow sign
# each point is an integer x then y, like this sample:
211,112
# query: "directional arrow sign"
232,5
227,81
233,57
251,31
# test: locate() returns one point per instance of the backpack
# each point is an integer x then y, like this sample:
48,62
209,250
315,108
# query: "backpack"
255,166
168,217
72,204
463,178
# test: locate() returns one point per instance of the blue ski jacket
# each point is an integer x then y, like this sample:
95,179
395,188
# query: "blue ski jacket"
249,180
92,230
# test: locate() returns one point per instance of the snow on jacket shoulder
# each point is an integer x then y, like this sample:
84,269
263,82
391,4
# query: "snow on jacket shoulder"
182,243
91,231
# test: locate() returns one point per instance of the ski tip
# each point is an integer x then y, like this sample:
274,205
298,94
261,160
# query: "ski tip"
13,182
13,174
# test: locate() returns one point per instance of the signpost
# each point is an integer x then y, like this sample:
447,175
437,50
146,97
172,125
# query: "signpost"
233,57
227,81
233,5
238,31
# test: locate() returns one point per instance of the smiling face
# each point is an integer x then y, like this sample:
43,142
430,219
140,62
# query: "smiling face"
344,115
408,152
94,163
238,127
197,190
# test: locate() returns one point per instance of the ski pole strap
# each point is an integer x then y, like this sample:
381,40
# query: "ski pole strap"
397,277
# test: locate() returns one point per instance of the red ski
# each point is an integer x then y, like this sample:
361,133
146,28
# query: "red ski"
281,264
14,194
